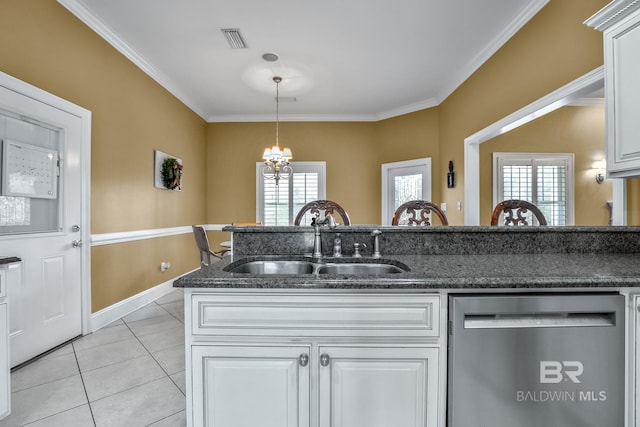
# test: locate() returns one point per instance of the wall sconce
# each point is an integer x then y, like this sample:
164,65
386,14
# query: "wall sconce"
600,167
451,176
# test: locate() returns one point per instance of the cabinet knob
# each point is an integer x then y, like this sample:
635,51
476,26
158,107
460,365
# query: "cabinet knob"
303,360
325,359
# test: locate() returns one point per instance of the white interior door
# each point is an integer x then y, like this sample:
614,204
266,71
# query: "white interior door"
46,306
404,181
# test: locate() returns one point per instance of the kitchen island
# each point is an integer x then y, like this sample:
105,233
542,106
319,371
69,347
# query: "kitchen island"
322,349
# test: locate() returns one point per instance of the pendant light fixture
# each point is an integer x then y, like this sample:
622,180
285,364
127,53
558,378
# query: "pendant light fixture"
276,160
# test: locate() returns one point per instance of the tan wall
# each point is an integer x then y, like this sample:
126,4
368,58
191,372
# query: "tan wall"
354,153
43,44
348,148
46,46
553,49
407,137
578,130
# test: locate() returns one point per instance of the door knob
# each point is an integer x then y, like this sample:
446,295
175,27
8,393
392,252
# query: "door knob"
303,360
75,228
325,359
76,243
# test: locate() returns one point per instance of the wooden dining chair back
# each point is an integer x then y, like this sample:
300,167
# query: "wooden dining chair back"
517,212
321,208
207,256
418,212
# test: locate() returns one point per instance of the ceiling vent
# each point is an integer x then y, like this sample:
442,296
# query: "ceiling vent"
234,38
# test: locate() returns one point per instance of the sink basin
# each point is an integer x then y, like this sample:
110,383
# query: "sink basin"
357,268
328,266
274,267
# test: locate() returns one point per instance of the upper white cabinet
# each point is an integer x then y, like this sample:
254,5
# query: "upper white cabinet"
620,23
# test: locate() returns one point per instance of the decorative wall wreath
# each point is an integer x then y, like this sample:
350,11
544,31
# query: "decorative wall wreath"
171,172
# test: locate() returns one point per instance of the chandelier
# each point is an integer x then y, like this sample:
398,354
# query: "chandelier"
276,160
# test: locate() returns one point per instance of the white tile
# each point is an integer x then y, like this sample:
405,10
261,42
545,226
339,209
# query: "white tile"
114,323
76,417
179,379
147,312
139,406
66,349
108,354
103,336
176,420
176,309
44,371
121,376
171,359
149,326
42,401
176,295
163,339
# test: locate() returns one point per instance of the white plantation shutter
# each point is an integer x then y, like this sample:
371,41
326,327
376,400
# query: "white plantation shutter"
279,205
546,180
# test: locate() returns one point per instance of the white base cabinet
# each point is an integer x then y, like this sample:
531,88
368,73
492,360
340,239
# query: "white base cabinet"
5,371
313,360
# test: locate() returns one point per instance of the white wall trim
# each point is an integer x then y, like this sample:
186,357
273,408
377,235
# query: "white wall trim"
87,16
524,16
120,309
131,236
565,95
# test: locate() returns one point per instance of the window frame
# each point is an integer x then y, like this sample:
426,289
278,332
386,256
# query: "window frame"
300,167
510,158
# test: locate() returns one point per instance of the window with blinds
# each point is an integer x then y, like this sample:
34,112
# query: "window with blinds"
546,180
279,204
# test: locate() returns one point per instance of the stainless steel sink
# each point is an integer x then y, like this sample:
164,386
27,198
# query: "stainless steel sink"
359,268
274,267
334,266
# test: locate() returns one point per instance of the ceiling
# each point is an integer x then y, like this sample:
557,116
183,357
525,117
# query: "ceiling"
356,60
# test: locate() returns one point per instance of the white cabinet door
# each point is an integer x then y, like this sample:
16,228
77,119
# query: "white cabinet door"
620,23
622,44
249,386
5,376
378,386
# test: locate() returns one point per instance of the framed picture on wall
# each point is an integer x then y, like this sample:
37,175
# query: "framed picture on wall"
167,171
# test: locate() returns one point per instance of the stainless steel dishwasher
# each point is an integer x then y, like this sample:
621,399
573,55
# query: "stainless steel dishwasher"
536,361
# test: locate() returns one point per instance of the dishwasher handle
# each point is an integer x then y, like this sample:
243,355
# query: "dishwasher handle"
538,320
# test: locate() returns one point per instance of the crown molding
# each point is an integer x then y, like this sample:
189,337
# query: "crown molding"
612,13
89,18
85,15
525,15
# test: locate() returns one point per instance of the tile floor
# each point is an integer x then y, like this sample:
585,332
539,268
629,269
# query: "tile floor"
130,373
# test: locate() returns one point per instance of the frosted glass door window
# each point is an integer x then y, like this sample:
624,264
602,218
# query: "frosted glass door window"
406,188
29,214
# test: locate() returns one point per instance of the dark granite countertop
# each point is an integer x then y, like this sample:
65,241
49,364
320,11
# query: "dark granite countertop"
441,258
9,259
539,271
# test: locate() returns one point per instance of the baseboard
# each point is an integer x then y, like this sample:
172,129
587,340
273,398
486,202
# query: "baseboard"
120,309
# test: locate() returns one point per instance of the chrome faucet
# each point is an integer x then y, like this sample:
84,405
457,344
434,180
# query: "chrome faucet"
316,222
376,243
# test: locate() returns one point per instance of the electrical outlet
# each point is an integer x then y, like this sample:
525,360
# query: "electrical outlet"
164,266
443,206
